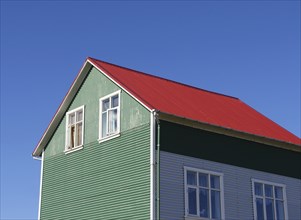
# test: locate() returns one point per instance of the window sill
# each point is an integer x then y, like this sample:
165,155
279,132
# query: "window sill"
109,137
191,217
74,149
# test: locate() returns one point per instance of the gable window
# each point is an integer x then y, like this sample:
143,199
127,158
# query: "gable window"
203,194
74,128
269,201
109,115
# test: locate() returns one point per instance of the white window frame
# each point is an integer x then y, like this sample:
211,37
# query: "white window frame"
263,197
117,133
198,217
75,148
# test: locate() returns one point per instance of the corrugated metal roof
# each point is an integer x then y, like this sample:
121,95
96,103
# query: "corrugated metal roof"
196,104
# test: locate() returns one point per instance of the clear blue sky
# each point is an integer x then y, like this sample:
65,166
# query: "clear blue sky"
246,49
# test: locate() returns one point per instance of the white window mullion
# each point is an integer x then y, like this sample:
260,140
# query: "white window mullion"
68,136
74,136
77,134
186,191
209,195
118,118
108,116
284,198
264,203
196,191
254,201
107,122
197,194
83,128
275,211
186,200
274,202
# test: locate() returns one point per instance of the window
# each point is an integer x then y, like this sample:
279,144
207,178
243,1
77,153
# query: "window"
203,194
269,200
109,115
74,128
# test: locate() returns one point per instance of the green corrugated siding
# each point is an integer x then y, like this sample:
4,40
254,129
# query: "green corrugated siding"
109,180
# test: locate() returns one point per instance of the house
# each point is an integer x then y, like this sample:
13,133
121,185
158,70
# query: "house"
128,145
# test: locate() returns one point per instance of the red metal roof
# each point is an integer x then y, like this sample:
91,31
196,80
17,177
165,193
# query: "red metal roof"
196,104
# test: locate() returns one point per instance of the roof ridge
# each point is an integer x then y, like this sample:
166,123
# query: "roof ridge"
169,80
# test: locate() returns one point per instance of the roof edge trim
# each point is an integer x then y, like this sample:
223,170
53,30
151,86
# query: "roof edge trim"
229,132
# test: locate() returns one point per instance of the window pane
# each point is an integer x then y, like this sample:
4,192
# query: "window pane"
104,124
214,182
72,136
280,210
115,101
105,104
269,209
192,201
72,118
191,178
215,204
203,179
79,134
259,208
268,190
68,137
258,189
79,115
112,121
204,202
278,192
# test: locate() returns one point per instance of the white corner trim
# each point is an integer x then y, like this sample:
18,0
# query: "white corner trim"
152,165
41,183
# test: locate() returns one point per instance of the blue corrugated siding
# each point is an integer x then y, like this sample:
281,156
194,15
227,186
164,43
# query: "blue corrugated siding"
237,187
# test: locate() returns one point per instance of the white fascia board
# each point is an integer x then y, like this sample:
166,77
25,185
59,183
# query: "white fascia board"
120,86
62,108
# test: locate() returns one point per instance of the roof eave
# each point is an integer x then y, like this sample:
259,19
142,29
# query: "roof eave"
228,132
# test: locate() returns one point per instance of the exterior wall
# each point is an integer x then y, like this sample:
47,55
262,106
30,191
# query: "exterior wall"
108,180
237,187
